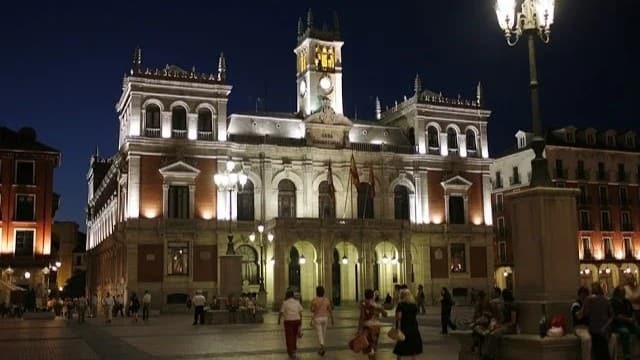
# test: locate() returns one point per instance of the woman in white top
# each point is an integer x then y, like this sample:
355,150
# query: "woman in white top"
321,310
291,312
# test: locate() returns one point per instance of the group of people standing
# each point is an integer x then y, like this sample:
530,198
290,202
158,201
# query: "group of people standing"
595,318
492,318
114,305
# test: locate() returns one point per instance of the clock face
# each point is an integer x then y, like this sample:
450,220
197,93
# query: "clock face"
303,88
325,84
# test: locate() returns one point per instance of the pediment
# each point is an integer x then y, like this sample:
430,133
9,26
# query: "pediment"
179,169
327,116
456,182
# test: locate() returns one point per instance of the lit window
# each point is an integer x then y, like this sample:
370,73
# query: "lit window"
178,253
458,258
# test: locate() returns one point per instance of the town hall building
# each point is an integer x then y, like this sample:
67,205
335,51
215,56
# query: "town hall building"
307,198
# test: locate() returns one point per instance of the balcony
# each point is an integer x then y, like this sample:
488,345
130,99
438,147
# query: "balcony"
561,173
400,149
205,135
587,255
626,227
497,184
584,200
585,226
514,180
602,176
625,202
606,227
622,176
582,174
152,132
603,201
178,134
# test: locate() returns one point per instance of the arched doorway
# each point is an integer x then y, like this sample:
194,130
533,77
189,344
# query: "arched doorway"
335,278
303,269
608,276
294,269
628,272
348,281
588,275
388,267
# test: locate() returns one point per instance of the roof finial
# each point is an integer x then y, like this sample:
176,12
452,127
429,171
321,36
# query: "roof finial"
479,94
336,23
378,109
222,68
300,27
96,153
417,85
309,19
137,61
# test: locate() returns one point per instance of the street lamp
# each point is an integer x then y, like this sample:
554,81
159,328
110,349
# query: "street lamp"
229,181
9,271
263,246
534,19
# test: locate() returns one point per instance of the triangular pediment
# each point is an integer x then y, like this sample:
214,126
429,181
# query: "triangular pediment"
179,168
456,182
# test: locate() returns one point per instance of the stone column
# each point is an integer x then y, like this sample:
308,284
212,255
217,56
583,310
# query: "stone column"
544,227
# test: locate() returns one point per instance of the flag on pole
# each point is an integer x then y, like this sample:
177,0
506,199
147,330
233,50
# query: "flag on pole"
355,179
372,179
332,189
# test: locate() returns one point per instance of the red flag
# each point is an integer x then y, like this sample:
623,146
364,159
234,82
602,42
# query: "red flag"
332,189
372,179
355,179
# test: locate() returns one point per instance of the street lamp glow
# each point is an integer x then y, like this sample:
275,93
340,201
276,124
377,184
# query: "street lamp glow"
27,275
394,261
60,288
272,261
45,270
545,11
9,271
270,237
252,237
505,11
260,228
58,264
345,260
230,165
385,259
302,260
54,268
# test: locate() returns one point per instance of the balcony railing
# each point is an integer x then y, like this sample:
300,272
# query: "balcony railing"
626,227
622,176
561,173
178,134
152,132
582,174
584,200
606,227
585,226
602,176
497,184
514,180
205,135
604,200
400,149
625,202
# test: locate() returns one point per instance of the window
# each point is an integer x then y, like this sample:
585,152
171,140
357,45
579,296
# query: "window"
401,202
325,58
249,264
205,123
625,218
24,242
25,172
605,220
458,258
611,140
631,143
591,139
522,142
178,253
179,121
501,229
608,247
25,207
498,180
580,173
326,201
456,210
586,247
628,247
585,224
502,251
571,138
286,199
602,174
622,175
178,202
603,194
245,202
152,117
499,202
452,139
365,201
559,169
584,195
432,135
623,195
515,178
471,140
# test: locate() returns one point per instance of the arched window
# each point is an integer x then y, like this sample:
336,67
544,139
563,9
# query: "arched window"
365,201
452,139
245,202
432,135
152,120
326,201
401,202
294,269
286,199
471,140
205,124
179,122
249,263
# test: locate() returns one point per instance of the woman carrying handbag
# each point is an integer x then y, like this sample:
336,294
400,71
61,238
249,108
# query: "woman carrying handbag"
366,340
407,324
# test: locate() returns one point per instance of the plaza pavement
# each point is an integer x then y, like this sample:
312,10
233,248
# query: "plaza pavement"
172,336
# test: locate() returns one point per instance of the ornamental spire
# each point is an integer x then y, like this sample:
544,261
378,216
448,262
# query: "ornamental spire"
336,23
479,94
417,85
378,109
300,27
309,19
137,61
222,68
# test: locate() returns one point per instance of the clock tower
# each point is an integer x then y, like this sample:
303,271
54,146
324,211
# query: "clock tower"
319,67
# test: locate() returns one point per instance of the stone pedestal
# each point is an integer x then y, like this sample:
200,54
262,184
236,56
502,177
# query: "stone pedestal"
545,253
230,275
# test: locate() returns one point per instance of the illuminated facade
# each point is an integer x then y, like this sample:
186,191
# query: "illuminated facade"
27,207
604,166
421,213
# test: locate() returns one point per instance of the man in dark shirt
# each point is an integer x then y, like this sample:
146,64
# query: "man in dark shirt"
581,323
598,311
623,323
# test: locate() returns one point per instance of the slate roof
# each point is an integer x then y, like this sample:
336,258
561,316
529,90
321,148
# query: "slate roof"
24,140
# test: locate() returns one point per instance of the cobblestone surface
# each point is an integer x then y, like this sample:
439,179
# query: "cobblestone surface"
173,337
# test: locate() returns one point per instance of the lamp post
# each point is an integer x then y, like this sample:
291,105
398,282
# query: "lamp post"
534,19
263,246
229,181
9,271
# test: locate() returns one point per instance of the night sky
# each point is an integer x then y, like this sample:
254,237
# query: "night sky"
62,64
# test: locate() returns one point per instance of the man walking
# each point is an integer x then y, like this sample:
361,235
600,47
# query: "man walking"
107,305
198,302
421,299
82,308
94,306
146,304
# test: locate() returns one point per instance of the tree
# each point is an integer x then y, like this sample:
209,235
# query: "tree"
76,284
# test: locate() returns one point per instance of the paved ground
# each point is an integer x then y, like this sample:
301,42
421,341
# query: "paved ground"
173,337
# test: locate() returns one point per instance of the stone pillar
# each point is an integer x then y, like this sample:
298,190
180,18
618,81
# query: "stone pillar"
544,227
230,275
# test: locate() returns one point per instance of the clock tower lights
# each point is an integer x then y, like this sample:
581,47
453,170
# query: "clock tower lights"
319,67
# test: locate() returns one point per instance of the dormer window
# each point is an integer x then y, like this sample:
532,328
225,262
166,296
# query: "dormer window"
571,137
591,138
630,141
611,140
522,142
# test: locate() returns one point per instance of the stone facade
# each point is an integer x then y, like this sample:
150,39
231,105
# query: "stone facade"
420,215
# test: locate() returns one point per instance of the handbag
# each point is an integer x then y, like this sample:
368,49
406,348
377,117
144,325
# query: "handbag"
396,334
358,343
